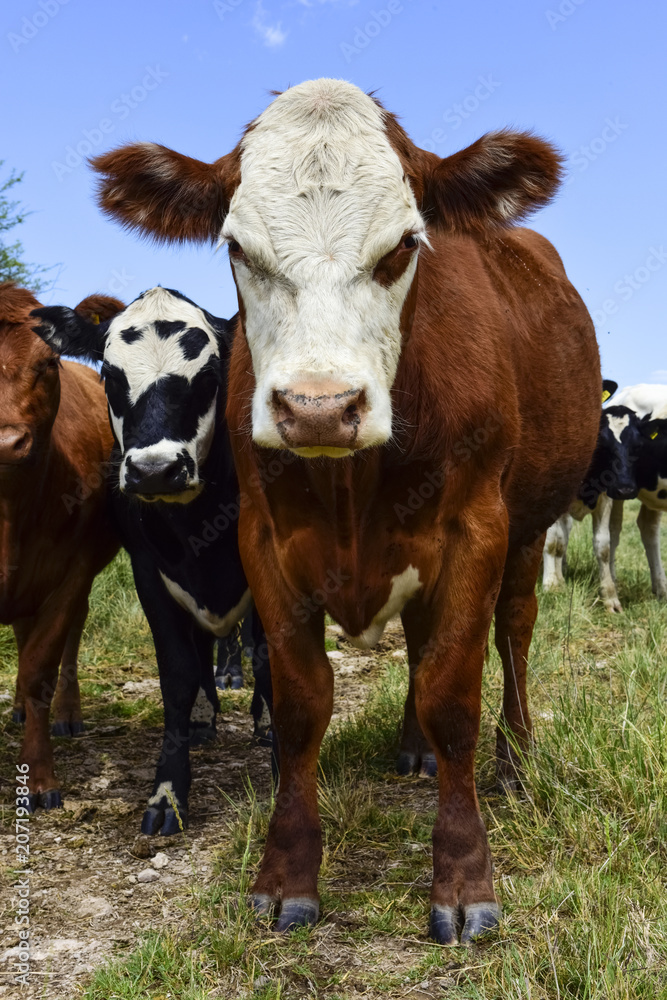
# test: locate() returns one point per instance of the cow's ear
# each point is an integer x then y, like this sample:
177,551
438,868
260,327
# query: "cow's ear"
66,332
494,183
165,195
653,428
98,308
609,387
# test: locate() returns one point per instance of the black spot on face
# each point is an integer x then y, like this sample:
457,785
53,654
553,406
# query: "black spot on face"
131,334
662,494
168,327
193,342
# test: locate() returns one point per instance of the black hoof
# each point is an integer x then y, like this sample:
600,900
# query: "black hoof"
507,784
163,821
51,800
263,905
262,737
444,924
429,768
300,911
18,716
407,763
481,918
67,728
237,682
201,735
45,800
221,681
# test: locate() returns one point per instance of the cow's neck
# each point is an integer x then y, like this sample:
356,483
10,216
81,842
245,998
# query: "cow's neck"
26,496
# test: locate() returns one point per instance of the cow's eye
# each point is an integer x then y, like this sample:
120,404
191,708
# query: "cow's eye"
236,250
408,242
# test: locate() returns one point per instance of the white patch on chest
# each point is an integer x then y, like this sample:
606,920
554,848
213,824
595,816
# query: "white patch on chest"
220,627
403,588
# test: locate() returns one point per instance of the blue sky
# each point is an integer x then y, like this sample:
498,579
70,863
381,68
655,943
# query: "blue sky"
587,75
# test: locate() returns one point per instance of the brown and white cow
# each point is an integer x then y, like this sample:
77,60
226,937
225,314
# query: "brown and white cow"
54,533
413,399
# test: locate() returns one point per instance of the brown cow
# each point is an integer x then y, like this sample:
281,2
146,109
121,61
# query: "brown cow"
414,390
54,442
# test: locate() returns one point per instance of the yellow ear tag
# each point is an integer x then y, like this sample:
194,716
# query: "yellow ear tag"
605,395
654,435
95,318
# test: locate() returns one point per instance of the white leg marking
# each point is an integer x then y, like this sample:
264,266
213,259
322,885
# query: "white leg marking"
602,549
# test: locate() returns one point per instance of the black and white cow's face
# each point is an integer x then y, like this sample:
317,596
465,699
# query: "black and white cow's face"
652,463
613,467
161,363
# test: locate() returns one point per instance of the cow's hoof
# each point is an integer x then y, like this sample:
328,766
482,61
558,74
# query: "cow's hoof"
481,918
237,682
67,728
429,768
262,737
165,822
300,911
201,735
444,924
263,905
18,716
221,681
407,763
45,800
413,763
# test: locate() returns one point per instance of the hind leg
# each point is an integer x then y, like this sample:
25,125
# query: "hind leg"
67,717
205,709
516,611
415,755
555,551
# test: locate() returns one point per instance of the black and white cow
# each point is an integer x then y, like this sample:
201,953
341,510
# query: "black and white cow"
611,477
649,402
630,460
175,498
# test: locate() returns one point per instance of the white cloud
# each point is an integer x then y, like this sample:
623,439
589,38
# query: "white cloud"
271,34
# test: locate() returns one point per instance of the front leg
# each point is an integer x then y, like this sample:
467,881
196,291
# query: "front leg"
648,522
180,674
602,549
448,698
302,681
41,641
67,717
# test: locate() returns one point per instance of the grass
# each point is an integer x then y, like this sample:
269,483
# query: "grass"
580,858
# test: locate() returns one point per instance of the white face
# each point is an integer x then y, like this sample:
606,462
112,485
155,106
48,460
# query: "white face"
322,199
161,387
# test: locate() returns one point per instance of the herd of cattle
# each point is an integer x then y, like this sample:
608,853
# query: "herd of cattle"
408,398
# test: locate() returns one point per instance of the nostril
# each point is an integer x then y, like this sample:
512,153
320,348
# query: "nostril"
21,443
281,409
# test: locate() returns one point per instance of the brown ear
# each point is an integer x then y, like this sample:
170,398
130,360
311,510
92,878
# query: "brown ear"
164,194
98,308
496,182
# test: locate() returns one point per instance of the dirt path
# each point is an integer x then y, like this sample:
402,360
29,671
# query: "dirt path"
95,884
